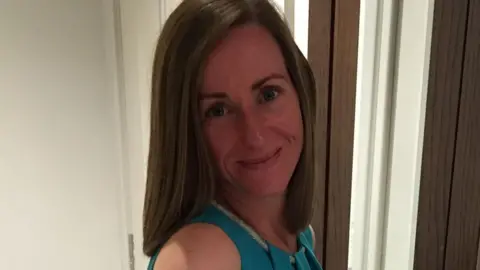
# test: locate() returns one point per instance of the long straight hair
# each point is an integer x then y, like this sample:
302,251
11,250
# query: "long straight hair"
181,173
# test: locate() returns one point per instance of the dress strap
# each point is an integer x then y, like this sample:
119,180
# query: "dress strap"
247,245
151,263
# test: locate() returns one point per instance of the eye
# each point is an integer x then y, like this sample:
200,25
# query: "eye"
268,94
216,110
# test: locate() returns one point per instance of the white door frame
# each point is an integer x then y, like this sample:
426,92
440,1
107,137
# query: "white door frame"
408,120
114,61
137,26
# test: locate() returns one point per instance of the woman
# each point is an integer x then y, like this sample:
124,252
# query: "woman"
232,155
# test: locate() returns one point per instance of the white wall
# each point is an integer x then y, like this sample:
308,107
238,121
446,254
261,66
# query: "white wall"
60,157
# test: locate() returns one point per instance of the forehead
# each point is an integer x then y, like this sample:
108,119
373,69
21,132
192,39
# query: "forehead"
247,54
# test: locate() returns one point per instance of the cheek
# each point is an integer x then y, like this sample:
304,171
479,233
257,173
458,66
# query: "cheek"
288,118
220,140
294,117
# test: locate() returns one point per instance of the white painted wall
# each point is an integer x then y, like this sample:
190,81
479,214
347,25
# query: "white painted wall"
60,154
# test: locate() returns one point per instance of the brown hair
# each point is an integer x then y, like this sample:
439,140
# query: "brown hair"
181,173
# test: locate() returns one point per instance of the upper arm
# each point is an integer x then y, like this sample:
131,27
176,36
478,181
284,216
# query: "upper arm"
198,247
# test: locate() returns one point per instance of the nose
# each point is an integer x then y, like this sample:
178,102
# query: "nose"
251,130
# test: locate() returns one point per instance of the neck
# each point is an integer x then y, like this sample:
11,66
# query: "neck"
265,216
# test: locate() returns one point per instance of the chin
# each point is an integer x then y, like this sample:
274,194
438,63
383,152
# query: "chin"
264,187
267,179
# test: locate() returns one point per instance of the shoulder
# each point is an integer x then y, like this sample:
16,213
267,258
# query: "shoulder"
198,246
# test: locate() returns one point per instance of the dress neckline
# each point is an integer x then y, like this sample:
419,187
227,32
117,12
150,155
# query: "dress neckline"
262,242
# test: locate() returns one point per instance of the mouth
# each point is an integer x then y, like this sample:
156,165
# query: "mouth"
264,161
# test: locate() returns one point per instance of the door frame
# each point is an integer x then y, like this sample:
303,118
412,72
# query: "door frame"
407,131
136,29
391,102
114,60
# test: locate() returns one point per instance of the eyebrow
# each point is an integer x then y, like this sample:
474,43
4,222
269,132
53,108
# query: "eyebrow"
261,82
255,86
217,95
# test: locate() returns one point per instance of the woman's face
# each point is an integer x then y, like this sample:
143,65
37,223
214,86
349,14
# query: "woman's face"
250,113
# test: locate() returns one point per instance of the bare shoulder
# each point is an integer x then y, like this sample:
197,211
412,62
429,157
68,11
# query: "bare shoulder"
198,246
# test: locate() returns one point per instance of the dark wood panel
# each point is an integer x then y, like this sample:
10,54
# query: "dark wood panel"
448,37
333,46
342,121
319,55
478,255
464,221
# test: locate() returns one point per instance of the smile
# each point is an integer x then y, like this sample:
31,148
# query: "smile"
262,162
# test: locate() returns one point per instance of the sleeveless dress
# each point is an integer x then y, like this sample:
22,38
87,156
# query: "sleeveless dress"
256,253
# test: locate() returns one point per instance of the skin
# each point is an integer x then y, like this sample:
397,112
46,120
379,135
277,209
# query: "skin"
252,121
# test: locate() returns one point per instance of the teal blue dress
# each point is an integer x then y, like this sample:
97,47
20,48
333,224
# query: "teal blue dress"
256,253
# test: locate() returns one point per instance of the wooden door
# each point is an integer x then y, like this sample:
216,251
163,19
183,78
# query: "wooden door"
448,228
333,42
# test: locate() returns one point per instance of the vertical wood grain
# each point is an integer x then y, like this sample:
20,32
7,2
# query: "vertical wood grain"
447,51
478,255
342,122
333,53
464,221
319,54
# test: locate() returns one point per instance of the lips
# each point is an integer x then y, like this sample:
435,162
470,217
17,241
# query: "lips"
256,163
